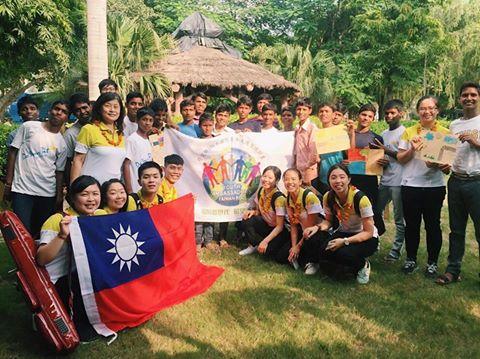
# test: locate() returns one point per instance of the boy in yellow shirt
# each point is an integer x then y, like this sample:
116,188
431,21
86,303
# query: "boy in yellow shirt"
173,171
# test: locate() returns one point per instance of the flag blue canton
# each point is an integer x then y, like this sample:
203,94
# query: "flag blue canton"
121,247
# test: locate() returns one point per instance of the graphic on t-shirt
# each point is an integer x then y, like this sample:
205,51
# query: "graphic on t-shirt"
232,176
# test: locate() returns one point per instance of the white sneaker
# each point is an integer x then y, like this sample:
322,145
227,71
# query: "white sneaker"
363,275
311,268
248,250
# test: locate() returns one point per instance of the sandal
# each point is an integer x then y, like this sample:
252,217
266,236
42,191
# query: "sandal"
448,278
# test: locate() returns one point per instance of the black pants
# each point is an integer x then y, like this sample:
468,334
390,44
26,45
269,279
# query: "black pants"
423,202
33,211
308,252
369,185
353,255
256,229
80,318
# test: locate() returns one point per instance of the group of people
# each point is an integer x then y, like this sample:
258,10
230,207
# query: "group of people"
338,217
105,161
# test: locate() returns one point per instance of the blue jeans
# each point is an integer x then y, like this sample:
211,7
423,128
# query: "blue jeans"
387,194
463,200
33,211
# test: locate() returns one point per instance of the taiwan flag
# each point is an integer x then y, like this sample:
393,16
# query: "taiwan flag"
133,264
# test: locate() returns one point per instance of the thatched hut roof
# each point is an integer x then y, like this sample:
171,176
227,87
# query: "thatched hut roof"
202,66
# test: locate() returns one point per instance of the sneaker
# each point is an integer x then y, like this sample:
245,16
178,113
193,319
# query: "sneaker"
431,270
363,275
409,267
391,258
311,268
248,250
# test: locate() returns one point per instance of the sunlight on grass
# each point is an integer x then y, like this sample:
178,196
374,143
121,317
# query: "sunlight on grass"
259,309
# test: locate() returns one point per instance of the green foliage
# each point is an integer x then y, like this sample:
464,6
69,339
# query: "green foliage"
310,72
132,47
5,129
38,39
231,15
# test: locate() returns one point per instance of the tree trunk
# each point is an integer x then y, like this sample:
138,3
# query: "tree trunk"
10,96
97,45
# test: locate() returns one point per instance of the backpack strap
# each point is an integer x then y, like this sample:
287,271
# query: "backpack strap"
304,197
356,201
258,194
137,200
331,202
276,195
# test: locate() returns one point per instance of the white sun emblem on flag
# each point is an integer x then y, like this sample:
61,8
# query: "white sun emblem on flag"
125,247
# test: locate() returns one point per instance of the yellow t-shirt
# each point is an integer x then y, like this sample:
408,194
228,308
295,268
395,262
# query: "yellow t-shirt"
268,213
132,205
103,159
312,205
58,267
415,172
167,191
350,221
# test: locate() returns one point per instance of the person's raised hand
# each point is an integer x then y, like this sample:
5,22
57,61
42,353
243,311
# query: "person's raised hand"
65,227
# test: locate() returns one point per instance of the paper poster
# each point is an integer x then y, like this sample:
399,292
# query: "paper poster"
363,161
157,142
332,139
438,147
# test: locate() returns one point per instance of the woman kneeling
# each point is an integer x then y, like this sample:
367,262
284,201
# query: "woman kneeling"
356,237
54,251
267,218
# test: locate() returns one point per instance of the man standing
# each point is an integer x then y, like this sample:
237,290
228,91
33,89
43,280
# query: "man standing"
82,110
464,183
36,161
390,189
134,102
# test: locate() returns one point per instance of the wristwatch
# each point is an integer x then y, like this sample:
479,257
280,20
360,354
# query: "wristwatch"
345,241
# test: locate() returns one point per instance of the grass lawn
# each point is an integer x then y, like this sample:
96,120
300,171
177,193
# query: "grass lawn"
259,309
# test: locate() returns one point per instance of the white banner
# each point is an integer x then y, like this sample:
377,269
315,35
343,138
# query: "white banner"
224,172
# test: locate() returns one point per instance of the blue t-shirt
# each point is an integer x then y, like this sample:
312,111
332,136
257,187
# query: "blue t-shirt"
327,160
252,125
191,130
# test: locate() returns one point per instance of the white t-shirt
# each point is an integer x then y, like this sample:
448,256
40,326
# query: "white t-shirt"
415,172
129,127
139,151
40,154
467,160
226,129
270,130
70,137
392,174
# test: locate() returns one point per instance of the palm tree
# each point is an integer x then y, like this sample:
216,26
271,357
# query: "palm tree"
310,72
132,46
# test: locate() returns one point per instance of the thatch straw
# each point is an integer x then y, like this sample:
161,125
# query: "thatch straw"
202,66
